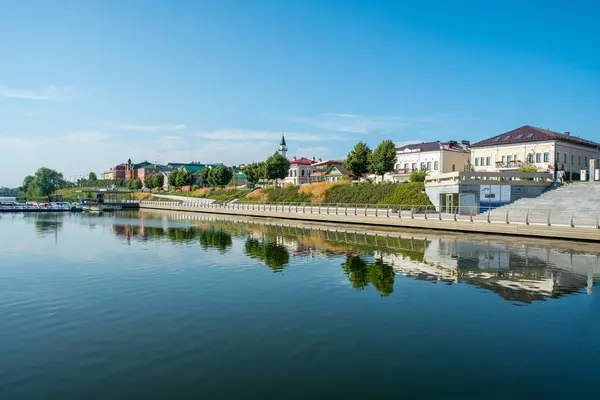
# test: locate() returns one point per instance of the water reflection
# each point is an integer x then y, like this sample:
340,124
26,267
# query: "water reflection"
362,273
522,271
274,256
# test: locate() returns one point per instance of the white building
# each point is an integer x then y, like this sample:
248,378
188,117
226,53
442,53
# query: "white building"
435,157
545,150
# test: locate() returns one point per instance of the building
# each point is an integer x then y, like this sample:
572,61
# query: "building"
543,149
118,172
193,167
282,147
435,157
152,169
328,171
131,169
300,171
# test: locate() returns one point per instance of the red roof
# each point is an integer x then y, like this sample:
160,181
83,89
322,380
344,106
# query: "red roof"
528,133
301,160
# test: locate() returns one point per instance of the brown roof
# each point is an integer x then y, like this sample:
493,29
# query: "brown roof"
318,173
526,134
326,162
435,146
342,170
301,160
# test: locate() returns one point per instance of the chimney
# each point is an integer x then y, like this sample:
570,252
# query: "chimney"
314,159
294,157
320,159
465,142
568,133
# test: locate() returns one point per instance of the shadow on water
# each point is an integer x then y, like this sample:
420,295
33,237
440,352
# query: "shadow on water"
521,271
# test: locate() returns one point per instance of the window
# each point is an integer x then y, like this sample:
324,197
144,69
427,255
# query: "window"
515,156
487,160
504,160
573,159
557,157
497,139
566,158
302,172
290,173
397,166
422,166
295,173
406,166
477,161
453,167
429,166
436,165
506,137
529,136
518,136
579,160
538,157
414,166
586,162
509,158
546,156
530,158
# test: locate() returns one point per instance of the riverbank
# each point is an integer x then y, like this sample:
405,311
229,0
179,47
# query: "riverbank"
387,217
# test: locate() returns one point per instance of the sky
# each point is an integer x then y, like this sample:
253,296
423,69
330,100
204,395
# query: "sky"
85,85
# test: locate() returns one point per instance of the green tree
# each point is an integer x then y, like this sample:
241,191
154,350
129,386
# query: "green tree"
26,182
383,158
137,184
275,256
184,178
159,180
357,161
173,178
44,183
221,175
204,177
276,167
92,177
149,181
254,172
361,274
418,176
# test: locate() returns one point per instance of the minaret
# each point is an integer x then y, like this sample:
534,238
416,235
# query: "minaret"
282,146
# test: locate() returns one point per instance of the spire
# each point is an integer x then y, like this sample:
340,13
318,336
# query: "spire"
282,143
282,146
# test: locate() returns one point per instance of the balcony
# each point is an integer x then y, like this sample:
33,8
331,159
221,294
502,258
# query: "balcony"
403,171
514,164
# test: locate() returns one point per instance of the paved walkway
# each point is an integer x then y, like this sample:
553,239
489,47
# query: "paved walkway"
183,198
390,218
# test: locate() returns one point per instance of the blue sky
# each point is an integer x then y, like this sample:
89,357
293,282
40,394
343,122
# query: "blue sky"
87,84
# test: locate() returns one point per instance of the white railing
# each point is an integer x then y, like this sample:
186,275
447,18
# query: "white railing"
503,215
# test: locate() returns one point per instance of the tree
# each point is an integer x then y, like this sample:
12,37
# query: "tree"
357,161
254,172
383,158
149,181
221,175
26,182
418,176
276,167
137,184
184,178
43,183
159,180
173,178
204,177
92,177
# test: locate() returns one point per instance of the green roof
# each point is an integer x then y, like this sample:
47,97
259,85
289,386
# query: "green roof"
282,141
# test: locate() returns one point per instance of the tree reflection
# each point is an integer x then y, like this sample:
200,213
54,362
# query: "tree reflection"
216,239
182,235
275,256
361,274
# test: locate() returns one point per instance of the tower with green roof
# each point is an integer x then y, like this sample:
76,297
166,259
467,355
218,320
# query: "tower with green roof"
282,146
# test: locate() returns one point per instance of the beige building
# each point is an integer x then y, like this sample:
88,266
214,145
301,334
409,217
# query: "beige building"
546,150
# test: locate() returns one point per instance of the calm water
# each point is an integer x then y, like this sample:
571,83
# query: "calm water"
158,305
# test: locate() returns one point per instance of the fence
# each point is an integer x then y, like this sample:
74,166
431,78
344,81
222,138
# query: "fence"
504,215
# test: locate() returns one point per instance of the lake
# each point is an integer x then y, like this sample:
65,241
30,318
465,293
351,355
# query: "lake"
173,305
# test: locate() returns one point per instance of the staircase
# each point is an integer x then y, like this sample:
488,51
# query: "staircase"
580,200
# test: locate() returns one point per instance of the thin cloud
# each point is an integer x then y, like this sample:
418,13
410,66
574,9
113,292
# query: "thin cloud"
46,93
152,128
251,135
361,124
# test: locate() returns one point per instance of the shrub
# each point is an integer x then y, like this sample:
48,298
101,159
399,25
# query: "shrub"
362,193
418,176
409,194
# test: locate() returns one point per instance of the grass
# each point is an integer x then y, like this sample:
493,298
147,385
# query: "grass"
215,194
362,193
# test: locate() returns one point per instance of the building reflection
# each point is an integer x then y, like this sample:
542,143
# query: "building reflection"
521,271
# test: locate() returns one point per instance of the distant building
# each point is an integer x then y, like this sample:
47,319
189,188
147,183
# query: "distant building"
152,169
545,150
299,172
328,171
118,172
434,157
131,169
193,167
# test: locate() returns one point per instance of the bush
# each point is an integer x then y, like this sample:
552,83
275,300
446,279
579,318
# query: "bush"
362,193
409,194
195,187
418,176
